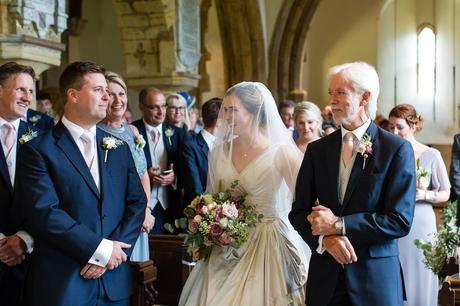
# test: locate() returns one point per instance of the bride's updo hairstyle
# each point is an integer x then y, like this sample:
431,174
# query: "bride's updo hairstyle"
252,99
408,113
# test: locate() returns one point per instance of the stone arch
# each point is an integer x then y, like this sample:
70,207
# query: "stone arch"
287,48
242,35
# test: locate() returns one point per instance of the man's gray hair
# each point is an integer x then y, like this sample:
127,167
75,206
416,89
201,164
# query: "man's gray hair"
363,77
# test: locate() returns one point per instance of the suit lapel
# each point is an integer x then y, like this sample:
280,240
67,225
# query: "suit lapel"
202,145
66,143
103,175
143,132
4,170
333,158
357,169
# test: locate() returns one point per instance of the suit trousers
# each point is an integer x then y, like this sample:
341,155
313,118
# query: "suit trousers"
340,296
103,300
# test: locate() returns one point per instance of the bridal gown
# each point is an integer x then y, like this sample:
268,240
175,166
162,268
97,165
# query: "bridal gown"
272,265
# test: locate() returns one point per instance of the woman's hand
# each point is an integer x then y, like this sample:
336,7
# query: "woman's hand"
420,194
149,221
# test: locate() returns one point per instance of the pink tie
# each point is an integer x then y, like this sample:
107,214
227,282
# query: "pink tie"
154,134
347,150
10,137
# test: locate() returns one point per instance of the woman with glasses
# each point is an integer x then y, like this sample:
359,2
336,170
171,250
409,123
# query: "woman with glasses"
176,113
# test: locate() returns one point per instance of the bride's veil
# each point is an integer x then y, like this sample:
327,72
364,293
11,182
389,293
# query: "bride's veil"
265,124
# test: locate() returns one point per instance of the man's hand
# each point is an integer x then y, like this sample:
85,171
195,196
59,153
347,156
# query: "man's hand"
12,250
91,271
322,221
118,256
340,248
149,221
164,179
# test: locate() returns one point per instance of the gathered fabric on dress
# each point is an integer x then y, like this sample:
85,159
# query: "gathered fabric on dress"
272,265
420,282
141,247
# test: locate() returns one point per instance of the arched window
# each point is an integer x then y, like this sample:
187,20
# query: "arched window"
426,62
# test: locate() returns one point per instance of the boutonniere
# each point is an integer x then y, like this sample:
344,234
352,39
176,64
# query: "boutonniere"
34,119
365,147
28,135
109,143
169,133
139,142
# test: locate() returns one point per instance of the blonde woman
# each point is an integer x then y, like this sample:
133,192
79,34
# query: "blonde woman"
176,113
308,122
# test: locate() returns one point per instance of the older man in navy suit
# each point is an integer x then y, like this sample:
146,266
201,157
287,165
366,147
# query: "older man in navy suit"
355,196
162,151
83,199
16,94
195,152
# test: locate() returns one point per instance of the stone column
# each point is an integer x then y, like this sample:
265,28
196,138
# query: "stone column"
161,43
30,32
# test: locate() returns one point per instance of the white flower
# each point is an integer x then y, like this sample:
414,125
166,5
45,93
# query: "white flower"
229,210
109,143
169,133
28,135
223,222
35,119
140,142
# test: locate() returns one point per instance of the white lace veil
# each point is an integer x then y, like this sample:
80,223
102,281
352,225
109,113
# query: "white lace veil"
264,124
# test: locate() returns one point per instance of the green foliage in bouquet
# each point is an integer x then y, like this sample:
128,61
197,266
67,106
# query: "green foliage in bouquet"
438,252
222,219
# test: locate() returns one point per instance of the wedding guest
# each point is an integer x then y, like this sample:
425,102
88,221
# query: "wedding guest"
355,196
286,111
194,116
196,149
162,152
113,124
128,116
455,174
37,118
176,113
17,87
308,121
45,105
432,187
83,201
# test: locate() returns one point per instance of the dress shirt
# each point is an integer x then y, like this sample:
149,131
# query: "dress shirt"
104,251
11,164
344,173
209,138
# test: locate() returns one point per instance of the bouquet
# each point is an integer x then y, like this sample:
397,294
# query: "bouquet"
219,220
422,176
438,252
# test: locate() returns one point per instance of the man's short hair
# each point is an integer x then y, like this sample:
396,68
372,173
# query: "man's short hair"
285,104
146,91
42,95
210,111
12,68
73,76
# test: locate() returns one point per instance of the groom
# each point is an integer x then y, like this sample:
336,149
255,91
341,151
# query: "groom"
83,200
355,197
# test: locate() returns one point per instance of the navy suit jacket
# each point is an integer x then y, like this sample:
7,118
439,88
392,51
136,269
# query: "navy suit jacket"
11,221
69,217
173,146
195,162
378,209
44,123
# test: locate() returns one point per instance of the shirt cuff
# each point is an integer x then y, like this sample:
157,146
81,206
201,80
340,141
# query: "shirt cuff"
28,240
102,254
320,249
344,232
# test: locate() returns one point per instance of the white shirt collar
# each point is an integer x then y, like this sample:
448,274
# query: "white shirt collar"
75,130
14,123
149,127
208,137
359,132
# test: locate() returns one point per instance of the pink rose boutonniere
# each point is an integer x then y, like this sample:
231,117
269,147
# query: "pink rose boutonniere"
365,147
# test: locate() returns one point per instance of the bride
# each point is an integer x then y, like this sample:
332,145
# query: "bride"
254,147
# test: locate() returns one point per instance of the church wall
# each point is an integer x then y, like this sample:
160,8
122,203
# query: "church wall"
341,31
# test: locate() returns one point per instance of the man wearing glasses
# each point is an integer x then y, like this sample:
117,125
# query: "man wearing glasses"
162,149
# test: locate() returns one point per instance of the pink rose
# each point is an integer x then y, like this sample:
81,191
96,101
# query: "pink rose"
226,239
197,219
229,210
204,210
193,227
215,229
